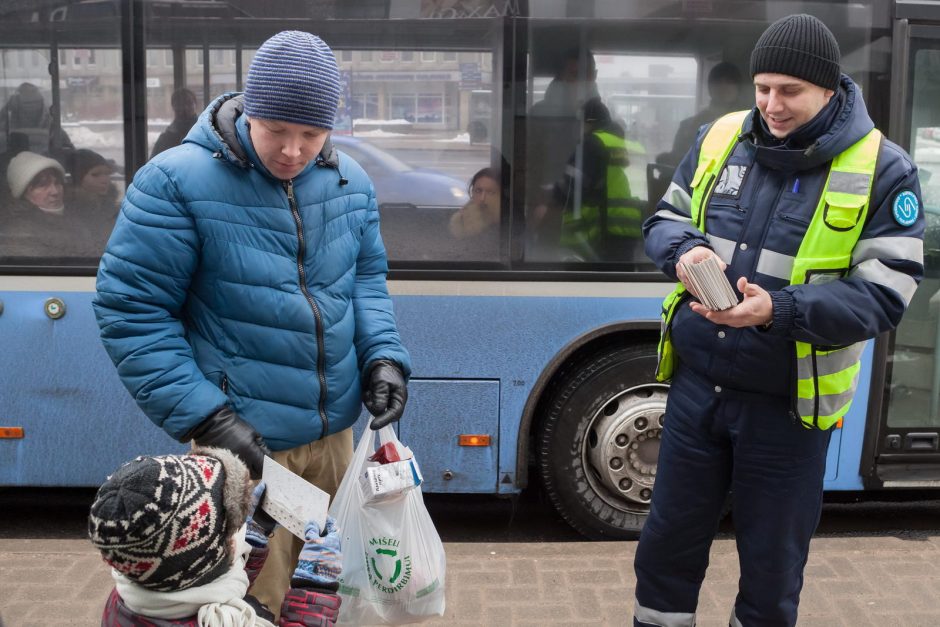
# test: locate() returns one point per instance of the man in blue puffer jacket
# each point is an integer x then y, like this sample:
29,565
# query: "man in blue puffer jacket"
803,173
242,295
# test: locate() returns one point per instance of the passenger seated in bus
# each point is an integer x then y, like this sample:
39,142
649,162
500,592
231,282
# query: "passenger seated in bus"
26,112
183,102
92,193
479,218
185,540
602,222
37,221
553,129
724,92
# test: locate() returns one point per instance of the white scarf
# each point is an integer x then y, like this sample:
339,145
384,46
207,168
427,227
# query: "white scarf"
219,603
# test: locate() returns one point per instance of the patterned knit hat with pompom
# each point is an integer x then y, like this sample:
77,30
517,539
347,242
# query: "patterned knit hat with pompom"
166,522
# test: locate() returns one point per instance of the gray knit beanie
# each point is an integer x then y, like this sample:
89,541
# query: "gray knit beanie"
800,46
293,78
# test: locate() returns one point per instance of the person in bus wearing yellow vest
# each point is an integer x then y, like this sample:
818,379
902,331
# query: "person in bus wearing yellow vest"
600,220
816,219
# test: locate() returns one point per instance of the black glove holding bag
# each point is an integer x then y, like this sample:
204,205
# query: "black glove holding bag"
385,392
224,429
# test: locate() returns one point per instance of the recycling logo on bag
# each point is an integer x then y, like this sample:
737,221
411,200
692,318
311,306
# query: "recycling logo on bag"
388,567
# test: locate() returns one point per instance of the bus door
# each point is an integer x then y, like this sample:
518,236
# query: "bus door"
902,446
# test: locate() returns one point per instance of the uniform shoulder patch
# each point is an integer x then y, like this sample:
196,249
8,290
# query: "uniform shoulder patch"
906,207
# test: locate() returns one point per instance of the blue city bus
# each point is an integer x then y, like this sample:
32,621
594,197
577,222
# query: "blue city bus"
533,357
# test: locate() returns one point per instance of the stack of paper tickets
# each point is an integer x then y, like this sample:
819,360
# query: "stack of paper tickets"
711,285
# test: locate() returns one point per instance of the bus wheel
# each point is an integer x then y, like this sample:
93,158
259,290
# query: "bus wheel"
599,443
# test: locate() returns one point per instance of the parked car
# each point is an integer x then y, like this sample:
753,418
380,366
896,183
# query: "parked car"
415,204
397,183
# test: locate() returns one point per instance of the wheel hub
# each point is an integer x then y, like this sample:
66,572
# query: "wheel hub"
622,446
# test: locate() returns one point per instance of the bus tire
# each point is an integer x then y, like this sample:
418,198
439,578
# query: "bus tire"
598,445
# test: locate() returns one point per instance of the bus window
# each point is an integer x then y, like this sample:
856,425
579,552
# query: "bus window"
409,127
60,150
597,123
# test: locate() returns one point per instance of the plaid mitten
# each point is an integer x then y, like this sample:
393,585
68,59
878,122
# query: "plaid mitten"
320,562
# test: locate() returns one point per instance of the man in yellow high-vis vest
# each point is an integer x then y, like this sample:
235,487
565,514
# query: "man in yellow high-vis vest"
600,219
815,218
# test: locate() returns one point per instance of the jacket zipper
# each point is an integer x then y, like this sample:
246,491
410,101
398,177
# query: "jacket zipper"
301,250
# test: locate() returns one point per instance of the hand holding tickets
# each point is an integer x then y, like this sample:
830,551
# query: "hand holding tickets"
709,284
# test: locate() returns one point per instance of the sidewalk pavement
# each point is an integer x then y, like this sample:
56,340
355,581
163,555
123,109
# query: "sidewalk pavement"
856,581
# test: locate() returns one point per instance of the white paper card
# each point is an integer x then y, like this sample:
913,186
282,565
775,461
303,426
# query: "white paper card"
291,500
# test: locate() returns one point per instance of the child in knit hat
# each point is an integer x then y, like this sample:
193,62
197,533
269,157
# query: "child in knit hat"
185,540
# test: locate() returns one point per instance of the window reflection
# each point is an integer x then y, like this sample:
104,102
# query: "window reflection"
421,133
594,131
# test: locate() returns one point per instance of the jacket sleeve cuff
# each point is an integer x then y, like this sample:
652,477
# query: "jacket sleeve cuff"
782,322
688,245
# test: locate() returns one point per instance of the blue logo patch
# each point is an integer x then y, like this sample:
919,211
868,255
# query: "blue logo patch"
906,208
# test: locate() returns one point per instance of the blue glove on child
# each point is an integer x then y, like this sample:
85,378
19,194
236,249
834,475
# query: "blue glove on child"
320,563
260,524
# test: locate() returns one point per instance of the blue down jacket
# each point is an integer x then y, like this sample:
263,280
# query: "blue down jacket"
199,293
760,217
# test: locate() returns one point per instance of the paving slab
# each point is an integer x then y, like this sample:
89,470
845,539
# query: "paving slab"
858,581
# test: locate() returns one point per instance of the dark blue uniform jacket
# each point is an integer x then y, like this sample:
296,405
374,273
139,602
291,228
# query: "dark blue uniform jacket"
761,208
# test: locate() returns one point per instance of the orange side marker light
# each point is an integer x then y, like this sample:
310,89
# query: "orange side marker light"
11,433
473,439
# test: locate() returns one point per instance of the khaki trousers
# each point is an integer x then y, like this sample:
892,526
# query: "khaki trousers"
323,464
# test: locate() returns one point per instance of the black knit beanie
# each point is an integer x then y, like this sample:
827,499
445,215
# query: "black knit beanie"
800,46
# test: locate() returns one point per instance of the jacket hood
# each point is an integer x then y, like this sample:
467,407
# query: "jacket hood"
217,129
850,123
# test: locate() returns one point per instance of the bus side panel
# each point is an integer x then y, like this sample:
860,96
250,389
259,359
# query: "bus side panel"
58,384
437,412
512,338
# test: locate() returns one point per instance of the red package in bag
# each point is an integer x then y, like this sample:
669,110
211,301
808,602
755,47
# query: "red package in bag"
386,454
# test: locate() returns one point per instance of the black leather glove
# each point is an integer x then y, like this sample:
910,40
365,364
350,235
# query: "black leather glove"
385,392
224,429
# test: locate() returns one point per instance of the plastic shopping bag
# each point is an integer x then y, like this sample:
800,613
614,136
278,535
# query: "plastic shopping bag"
393,558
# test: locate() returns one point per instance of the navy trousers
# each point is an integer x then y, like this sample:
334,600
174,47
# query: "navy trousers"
713,440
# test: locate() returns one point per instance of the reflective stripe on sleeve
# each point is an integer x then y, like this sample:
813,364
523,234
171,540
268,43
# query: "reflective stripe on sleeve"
678,197
775,264
876,272
907,248
671,215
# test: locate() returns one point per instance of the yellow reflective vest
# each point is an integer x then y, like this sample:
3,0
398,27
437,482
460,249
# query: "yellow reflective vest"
583,229
826,376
